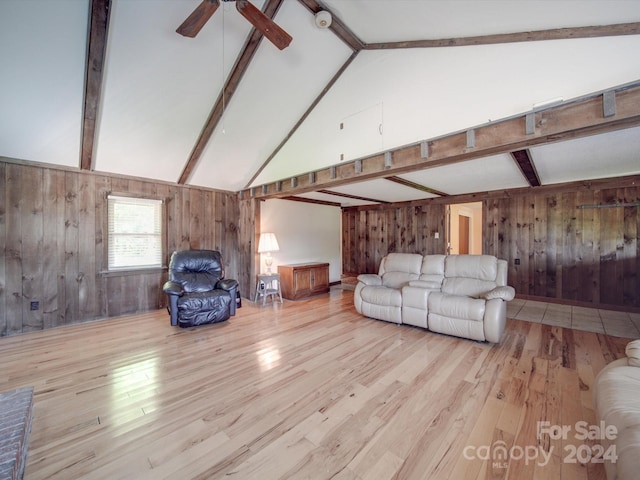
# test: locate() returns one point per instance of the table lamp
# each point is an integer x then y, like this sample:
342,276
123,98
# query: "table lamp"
267,244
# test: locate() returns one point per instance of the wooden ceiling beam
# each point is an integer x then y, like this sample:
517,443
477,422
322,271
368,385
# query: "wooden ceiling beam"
533,36
313,200
230,87
573,119
417,186
526,166
94,66
354,197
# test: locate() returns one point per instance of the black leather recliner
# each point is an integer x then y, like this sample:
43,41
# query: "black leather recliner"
198,292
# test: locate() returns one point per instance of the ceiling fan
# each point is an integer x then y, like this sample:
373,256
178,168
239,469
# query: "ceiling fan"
194,22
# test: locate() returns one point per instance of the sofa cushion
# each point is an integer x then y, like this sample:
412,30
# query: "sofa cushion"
470,275
398,269
431,285
455,306
481,267
397,279
204,307
432,269
379,295
467,287
401,262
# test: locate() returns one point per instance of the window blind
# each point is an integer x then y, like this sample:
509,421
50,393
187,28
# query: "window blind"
134,232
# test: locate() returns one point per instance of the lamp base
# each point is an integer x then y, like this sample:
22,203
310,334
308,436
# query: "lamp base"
268,261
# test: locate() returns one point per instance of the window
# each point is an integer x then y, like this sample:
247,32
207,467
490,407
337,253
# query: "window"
134,233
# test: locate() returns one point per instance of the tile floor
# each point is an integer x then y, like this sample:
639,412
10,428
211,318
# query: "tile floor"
618,324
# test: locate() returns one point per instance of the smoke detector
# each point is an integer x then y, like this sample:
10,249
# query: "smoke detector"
323,19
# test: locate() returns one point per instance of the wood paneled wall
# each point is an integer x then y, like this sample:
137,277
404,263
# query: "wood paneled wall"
369,234
52,240
588,256
248,235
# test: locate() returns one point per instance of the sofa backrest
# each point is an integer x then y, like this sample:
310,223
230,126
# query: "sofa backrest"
398,269
432,270
472,275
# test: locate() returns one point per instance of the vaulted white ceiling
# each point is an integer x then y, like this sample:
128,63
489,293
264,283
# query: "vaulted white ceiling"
158,89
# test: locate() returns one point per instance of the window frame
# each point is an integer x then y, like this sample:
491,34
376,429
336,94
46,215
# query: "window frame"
133,270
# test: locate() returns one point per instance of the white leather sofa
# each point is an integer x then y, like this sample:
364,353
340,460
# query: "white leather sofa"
616,397
461,295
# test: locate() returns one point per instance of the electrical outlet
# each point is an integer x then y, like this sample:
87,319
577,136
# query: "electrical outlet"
436,235
517,261
34,306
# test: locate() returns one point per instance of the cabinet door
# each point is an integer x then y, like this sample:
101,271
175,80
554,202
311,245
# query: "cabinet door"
301,281
319,278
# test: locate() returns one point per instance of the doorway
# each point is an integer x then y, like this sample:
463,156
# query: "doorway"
463,235
464,229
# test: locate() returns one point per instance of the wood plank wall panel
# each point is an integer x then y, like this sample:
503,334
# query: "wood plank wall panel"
53,238
32,246
369,234
631,247
13,262
589,255
248,260
3,249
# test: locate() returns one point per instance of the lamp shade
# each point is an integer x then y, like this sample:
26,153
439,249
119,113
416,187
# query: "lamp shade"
268,243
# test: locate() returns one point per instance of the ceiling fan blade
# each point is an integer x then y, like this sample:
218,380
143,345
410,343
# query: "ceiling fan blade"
264,24
194,22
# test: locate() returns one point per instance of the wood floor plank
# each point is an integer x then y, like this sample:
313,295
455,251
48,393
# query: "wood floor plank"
306,389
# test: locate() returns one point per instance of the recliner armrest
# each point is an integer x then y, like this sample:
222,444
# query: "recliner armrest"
172,288
227,284
230,286
370,279
503,293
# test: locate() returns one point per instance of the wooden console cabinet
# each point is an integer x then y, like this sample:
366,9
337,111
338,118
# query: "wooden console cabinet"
304,279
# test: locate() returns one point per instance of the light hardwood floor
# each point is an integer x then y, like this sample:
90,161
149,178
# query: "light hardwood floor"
308,389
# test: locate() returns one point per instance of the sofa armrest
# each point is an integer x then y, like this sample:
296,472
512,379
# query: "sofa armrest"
370,279
632,351
172,288
503,293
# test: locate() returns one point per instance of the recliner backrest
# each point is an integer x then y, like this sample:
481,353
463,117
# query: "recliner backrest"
196,270
470,275
398,269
